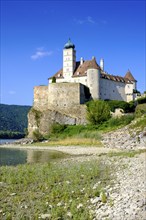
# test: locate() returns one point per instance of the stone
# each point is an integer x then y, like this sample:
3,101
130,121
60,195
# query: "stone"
46,216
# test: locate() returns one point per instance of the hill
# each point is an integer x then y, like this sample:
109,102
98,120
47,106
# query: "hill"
13,118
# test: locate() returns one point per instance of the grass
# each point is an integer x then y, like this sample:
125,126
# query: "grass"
83,135
126,153
116,123
59,190
70,142
140,123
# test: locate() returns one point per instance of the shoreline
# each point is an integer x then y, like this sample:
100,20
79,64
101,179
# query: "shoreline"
72,150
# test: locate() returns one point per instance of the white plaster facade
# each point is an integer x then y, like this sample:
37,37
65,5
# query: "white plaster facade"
89,73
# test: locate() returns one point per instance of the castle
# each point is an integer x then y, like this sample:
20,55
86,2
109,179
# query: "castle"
62,100
72,79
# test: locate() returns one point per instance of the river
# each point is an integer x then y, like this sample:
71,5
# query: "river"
11,157
4,141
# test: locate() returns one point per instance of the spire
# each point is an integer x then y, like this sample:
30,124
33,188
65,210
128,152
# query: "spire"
69,44
129,76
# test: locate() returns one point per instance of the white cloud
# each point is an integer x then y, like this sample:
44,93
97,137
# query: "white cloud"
87,20
40,53
90,20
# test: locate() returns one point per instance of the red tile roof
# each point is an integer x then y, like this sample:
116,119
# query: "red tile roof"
81,70
129,76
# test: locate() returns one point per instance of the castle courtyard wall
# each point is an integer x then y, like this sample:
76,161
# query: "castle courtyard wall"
62,96
40,101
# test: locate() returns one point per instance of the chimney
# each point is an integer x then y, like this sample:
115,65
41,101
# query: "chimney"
81,61
102,64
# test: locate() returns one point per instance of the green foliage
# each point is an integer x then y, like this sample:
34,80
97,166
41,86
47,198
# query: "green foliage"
57,128
103,197
37,136
13,117
123,120
53,79
136,91
140,123
98,111
126,153
87,132
141,100
140,110
11,135
37,115
55,188
127,107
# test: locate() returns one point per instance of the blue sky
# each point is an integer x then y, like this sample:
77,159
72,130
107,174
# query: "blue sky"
33,34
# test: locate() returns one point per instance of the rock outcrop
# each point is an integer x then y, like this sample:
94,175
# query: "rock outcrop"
43,120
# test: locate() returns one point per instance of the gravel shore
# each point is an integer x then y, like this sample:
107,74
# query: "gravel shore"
73,150
126,198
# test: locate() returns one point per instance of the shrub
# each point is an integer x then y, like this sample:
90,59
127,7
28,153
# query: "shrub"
37,115
123,120
140,110
57,128
127,107
141,100
98,111
37,136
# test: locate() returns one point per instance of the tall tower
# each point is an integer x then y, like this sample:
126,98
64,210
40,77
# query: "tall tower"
69,60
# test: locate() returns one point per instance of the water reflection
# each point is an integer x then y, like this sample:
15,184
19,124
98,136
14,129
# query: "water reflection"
14,156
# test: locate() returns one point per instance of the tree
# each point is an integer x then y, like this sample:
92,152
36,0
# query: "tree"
98,111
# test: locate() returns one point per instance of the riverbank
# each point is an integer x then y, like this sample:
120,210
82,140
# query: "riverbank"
91,186
72,150
103,182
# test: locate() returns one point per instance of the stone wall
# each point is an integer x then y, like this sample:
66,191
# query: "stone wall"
40,97
63,96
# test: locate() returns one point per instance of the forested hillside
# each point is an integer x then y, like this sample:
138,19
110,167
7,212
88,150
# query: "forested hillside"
13,118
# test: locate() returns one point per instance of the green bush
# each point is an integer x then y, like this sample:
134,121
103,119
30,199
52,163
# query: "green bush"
98,111
141,100
140,110
123,120
57,128
37,136
127,107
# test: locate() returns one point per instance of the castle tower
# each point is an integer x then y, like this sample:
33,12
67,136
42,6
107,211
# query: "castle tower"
69,60
93,79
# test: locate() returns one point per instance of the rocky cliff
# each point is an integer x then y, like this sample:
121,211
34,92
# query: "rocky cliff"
42,120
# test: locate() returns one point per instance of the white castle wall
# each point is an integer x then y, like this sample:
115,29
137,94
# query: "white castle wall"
102,88
82,80
112,90
93,80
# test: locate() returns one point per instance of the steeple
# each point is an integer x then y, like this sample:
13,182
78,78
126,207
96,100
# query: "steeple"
69,60
130,76
69,45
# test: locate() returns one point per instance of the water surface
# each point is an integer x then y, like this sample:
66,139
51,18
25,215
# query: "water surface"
9,156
